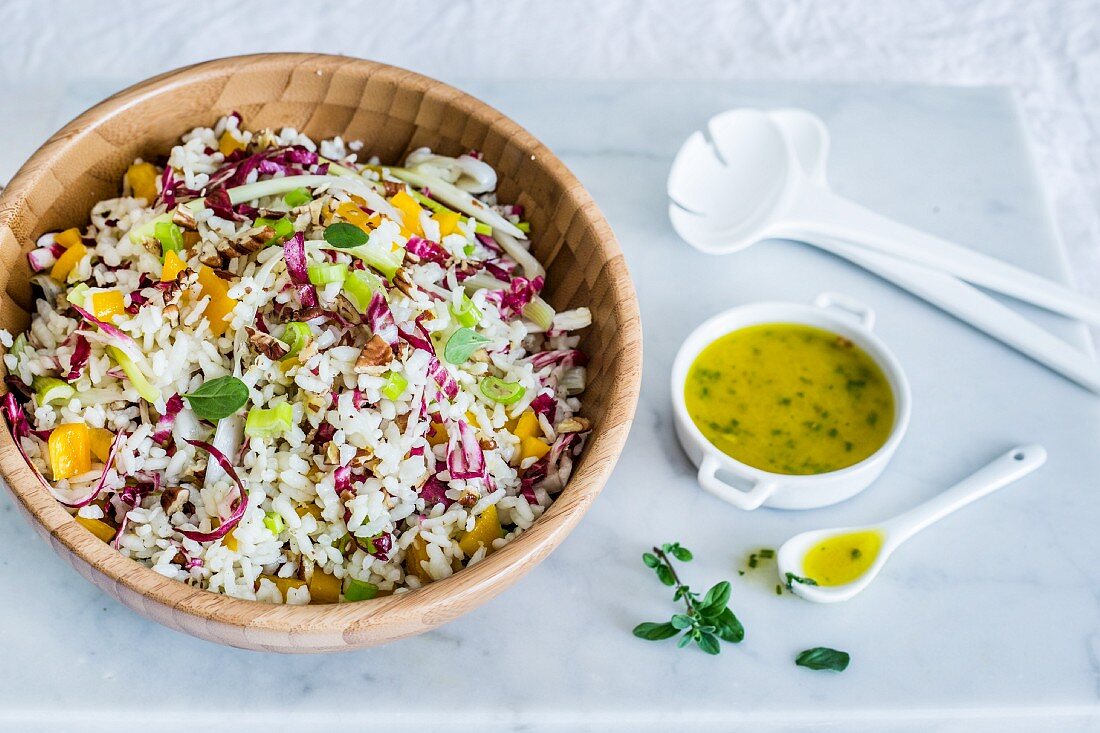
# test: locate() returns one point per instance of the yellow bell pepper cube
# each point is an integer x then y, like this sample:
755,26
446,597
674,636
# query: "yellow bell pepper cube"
486,529
304,509
448,222
352,214
229,541
284,584
227,144
100,440
68,260
221,305
416,554
410,213
67,238
437,434
98,527
142,178
108,305
532,447
173,266
527,425
324,588
70,450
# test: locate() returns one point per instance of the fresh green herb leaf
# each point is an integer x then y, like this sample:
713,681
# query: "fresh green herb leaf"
822,657
462,344
729,627
344,235
680,553
792,578
684,641
716,598
709,643
682,621
665,575
655,632
650,560
218,398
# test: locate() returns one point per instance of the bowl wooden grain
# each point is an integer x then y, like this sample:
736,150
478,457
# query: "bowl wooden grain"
393,111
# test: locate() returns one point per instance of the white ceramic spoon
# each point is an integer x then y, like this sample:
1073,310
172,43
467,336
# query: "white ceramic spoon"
745,184
1012,466
809,139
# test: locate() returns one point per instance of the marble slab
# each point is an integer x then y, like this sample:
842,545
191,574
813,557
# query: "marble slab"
987,621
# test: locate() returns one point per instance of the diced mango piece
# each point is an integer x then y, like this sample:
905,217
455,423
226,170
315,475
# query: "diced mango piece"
173,266
352,214
437,434
108,305
221,305
416,554
304,509
142,178
228,144
67,261
486,529
536,447
70,450
410,213
527,425
98,527
448,222
100,440
284,584
67,238
324,588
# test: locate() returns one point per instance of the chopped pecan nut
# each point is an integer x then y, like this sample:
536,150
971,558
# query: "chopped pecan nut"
574,425
183,217
266,344
249,241
173,499
404,283
375,357
392,188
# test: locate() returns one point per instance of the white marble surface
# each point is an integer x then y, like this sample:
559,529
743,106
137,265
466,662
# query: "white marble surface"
988,621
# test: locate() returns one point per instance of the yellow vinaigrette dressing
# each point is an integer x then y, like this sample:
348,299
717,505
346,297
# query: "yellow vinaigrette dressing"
842,558
789,398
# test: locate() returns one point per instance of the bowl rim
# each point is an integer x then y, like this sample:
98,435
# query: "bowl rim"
441,600
758,313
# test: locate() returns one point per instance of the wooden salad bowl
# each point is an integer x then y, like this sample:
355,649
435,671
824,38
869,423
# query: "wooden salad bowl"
393,111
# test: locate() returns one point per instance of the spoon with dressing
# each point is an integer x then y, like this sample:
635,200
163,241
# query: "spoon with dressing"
843,561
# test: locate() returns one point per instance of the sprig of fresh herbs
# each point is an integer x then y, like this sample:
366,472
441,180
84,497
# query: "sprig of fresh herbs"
822,657
707,621
218,398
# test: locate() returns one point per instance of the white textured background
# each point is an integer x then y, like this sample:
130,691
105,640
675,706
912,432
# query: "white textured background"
1047,51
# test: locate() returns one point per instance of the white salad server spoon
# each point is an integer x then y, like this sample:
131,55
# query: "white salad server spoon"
809,139
744,184
1002,471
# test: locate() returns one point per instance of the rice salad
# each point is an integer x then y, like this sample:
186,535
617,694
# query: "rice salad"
274,371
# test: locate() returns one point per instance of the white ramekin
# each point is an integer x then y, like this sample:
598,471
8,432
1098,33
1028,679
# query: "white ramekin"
748,488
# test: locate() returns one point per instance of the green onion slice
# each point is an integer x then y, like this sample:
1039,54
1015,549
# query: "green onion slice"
497,390
269,423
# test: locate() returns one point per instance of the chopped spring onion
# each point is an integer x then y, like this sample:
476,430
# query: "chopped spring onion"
497,390
524,226
518,252
395,385
284,228
380,257
296,335
147,391
539,312
51,389
170,237
462,344
456,198
359,590
274,523
269,423
274,187
20,343
327,272
359,287
298,197
436,207
147,229
78,295
467,314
